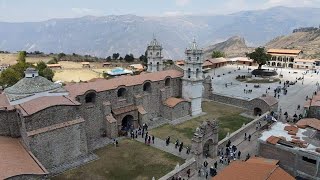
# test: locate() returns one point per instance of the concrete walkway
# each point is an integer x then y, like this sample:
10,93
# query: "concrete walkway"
161,144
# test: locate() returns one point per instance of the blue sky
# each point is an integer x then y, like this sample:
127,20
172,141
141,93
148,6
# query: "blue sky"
39,10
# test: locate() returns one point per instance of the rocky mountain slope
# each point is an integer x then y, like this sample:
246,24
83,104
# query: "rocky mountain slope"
306,40
233,47
102,36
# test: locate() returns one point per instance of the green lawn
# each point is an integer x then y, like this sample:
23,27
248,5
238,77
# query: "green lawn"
131,160
228,116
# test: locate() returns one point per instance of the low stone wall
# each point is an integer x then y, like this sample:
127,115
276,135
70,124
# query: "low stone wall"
236,101
239,134
182,170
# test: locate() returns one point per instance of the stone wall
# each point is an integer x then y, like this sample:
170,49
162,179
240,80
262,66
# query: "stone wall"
236,101
180,110
182,170
59,146
50,116
239,134
9,123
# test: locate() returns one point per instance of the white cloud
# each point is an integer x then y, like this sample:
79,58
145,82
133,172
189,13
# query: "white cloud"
182,2
292,3
86,11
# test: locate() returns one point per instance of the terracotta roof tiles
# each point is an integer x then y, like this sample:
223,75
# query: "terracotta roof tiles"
103,85
256,169
309,122
284,51
15,160
38,104
273,140
172,101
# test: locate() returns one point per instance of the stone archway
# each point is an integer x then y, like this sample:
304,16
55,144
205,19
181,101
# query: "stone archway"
126,123
257,111
205,140
208,148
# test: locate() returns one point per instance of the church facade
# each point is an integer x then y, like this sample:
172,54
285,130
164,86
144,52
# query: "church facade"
58,125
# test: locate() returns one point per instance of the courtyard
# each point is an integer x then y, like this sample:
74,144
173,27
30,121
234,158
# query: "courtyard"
288,103
130,160
229,118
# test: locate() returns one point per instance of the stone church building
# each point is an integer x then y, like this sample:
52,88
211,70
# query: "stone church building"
51,126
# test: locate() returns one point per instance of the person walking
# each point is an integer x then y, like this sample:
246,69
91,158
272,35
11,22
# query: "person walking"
245,136
152,139
215,165
149,140
249,137
239,154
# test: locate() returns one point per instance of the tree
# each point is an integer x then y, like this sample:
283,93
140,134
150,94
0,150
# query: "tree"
9,77
115,55
22,56
129,58
121,58
48,73
259,56
54,60
60,55
44,71
143,59
109,58
217,54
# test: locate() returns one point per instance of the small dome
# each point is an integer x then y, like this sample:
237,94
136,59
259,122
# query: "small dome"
32,85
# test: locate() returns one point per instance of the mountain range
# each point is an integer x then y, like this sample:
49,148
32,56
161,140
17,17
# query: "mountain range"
102,36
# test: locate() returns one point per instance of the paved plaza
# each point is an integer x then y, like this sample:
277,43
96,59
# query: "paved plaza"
296,93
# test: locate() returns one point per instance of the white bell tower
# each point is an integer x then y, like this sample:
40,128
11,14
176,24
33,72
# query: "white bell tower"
154,56
192,81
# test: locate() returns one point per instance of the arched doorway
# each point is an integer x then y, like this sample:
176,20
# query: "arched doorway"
273,64
126,123
257,111
291,65
208,148
278,64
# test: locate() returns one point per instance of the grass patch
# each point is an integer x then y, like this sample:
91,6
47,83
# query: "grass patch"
131,160
229,118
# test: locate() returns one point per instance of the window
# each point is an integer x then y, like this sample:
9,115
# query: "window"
189,58
167,82
197,73
198,58
90,97
158,53
150,53
189,73
147,87
122,92
312,161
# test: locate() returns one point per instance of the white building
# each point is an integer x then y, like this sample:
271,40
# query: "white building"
154,56
283,57
192,81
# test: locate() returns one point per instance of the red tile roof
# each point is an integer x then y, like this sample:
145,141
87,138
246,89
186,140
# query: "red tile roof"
38,104
309,122
257,169
103,85
172,101
15,160
284,51
273,140
292,130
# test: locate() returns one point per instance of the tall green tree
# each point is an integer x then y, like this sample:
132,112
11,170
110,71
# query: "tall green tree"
143,59
9,77
259,56
44,71
129,58
115,55
22,56
217,54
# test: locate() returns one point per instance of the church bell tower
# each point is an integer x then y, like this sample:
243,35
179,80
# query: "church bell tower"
154,56
192,81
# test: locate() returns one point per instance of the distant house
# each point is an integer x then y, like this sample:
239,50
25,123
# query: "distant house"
283,57
106,64
4,67
304,64
136,67
214,63
53,66
243,61
85,64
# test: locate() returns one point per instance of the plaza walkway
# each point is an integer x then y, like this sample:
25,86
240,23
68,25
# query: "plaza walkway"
244,146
